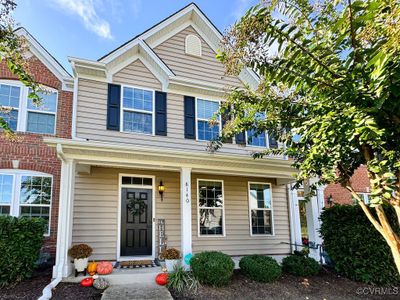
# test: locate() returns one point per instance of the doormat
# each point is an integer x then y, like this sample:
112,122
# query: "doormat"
133,264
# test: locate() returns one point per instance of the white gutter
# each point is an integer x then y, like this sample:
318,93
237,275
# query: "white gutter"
47,291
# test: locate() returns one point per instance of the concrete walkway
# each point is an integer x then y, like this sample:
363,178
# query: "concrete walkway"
136,291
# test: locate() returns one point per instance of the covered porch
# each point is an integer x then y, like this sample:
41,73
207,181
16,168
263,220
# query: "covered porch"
98,180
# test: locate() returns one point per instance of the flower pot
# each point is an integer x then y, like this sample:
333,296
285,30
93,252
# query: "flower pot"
81,264
171,263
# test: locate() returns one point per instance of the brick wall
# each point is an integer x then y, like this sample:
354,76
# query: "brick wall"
30,149
359,181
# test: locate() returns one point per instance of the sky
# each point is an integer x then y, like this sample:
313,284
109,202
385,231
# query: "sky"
91,28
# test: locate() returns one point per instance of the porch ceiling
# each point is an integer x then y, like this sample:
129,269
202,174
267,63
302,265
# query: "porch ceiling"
112,155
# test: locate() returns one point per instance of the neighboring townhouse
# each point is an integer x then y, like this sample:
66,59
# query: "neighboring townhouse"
29,169
136,175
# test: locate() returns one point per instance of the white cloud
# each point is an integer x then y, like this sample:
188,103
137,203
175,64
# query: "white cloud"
241,8
86,10
136,7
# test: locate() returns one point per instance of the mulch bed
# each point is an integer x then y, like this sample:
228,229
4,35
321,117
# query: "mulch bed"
327,285
74,291
29,289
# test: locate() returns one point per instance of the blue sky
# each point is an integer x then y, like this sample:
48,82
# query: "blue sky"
91,28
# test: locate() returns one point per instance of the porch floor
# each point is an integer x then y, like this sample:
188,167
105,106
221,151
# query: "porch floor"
125,276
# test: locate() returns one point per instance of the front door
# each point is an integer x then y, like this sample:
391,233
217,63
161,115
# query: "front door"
136,222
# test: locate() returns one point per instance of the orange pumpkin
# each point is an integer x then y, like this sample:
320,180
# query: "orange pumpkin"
104,268
92,268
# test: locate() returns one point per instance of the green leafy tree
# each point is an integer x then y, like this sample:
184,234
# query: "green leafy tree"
12,48
330,87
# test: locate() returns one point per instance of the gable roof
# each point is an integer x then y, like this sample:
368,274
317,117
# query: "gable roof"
47,59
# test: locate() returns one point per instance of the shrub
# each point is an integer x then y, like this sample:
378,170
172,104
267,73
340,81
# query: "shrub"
212,268
260,268
20,243
180,280
356,248
300,265
80,251
170,253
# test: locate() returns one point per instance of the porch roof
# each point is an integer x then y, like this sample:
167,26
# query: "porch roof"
116,155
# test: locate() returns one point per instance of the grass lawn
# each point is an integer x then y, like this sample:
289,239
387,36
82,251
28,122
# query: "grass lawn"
327,286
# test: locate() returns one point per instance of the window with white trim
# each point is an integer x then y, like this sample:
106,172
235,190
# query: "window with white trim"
205,110
26,194
260,206
210,207
260,139
21,114
137,110
366,197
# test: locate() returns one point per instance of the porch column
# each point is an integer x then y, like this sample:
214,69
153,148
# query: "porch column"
186,212
295,226
313,211
63,267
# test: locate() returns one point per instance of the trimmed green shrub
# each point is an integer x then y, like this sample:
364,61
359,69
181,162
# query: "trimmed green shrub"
300,265
212,268
356,248
260,268
20,243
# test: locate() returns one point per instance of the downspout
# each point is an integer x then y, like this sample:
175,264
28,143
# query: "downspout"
47,291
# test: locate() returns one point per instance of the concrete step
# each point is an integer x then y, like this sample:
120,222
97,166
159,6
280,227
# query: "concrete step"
136,291
126,276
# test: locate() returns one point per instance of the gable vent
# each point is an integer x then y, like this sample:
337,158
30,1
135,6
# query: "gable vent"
193,45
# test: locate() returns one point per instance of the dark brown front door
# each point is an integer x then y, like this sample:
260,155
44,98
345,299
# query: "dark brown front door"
136,222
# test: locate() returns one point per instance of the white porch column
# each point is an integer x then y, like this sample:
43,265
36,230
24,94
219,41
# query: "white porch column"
295,226
63,267
313,210
186,212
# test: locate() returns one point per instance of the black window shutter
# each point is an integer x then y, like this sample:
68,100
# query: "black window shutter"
225,118
190,117
113,106
161,113
273,143
241,138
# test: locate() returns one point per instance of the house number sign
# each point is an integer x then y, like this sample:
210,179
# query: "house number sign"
187,192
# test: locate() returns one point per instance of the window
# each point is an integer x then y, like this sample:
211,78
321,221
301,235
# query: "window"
137,180
26,194
205,110
260,139
260,206
366,197
210,208
23,115
138,110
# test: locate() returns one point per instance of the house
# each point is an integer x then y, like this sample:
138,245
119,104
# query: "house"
29,167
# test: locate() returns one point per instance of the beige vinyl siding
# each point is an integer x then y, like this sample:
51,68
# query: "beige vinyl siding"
205,68
95,219
137,74
92,118
237,240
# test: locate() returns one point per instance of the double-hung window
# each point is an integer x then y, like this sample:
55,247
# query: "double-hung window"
21,114
366,197
260,206
205,110
138,110
26,194
210,207
260,139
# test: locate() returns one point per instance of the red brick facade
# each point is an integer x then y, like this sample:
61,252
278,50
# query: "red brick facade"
30,150
340,195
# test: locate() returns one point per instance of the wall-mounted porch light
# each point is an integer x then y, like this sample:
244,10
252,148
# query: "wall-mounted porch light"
161,189
329,200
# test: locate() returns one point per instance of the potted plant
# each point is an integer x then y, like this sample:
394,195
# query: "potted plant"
172,258
80,254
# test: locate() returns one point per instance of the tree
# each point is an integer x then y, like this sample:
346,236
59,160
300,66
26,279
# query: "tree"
330,87
12,48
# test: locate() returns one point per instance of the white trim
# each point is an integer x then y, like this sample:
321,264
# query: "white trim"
220,208
185,204
151,53
269,209
74,107
153,189
38,50
15,204
122,109
206,120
